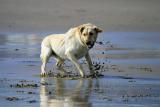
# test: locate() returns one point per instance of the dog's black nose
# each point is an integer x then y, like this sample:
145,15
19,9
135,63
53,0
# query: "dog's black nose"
89,43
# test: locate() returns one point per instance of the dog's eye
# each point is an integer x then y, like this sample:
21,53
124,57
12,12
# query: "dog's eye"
85,34
90,33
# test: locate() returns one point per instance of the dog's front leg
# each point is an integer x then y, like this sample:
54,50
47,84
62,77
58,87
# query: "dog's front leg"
75,62
89,62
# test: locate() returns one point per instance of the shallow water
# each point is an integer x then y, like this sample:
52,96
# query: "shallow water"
130,63
121,43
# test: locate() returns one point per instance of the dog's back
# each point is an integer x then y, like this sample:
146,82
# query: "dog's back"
54,43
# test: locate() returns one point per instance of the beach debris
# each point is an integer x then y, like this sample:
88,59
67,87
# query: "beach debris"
19,91
147,69
70,75
25,81
32,101
12,98
22,85
44,83
99,42
97,66
142,68
31,92
126,77
31,65
16,49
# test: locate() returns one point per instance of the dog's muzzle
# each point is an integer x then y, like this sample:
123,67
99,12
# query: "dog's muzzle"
90,44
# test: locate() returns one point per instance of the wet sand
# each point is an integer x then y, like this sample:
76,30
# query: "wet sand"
129,62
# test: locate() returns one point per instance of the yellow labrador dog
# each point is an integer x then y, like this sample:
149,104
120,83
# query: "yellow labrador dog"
72,45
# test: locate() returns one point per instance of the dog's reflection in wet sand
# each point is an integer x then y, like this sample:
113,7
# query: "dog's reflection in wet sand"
62,94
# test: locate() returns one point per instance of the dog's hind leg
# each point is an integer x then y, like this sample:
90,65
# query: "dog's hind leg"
59,64
46,53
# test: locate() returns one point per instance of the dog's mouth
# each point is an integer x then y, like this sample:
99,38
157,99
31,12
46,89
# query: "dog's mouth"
90,45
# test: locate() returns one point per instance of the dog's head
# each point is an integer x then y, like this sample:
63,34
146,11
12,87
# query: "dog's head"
88,34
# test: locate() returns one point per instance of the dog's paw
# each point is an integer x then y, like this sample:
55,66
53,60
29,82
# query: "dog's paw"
43,74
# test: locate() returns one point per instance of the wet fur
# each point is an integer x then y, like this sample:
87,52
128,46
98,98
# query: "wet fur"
66,46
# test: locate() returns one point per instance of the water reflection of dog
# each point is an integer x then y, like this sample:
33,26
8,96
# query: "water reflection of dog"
63,94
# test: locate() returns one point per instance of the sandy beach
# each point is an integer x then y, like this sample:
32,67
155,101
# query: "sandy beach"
57,15
128,53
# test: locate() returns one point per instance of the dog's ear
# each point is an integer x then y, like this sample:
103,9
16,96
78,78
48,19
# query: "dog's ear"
81,29
98,30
